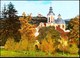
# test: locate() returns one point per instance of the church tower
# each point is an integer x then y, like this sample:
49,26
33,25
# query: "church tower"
50,16
59,16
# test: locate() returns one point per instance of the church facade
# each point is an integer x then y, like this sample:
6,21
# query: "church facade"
51,21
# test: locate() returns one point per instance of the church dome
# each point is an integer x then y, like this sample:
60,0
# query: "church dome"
60,21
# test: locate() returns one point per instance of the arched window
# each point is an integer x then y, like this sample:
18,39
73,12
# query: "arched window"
49,19
58,25
62,26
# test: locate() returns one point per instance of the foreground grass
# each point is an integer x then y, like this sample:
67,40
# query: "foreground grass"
9,53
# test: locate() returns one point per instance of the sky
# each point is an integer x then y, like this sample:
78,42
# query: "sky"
67,9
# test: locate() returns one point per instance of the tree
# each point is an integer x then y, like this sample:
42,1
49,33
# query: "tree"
27,36
11,24
27,33
11,11
48,38
47,45
45,31
74,30
26,28
4,12
10,44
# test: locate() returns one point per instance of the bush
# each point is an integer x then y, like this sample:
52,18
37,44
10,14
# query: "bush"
10,44
63,46
47,46
23,44
73,49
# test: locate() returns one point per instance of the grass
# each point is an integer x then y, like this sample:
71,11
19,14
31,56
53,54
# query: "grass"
9,53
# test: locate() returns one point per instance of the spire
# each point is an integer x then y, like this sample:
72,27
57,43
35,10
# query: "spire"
59,16
51,10
50,4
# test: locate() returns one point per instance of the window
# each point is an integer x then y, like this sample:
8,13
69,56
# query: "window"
49,19
62,26
58,25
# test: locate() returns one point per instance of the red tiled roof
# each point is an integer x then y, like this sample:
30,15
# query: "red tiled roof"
62,32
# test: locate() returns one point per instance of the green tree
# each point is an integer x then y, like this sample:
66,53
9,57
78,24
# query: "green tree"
48,38
4,12
10,25
44,32
11,11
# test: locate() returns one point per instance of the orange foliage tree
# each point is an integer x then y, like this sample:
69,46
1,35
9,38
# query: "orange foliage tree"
27,29
74,30
10,44
27,32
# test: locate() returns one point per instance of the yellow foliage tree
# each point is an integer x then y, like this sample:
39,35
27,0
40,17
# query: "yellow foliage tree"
17,46
63,46
47,45
27,29
27,33
10,44
23,44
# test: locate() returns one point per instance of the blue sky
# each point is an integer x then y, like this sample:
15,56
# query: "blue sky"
67,9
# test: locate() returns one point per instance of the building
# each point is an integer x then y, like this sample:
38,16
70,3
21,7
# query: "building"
58,23
51,21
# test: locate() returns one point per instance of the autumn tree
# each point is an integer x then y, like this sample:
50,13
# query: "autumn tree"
45,31
74,30
10,44
48,38
27,29
48,45
27,32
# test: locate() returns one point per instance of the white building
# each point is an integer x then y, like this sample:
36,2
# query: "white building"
52,22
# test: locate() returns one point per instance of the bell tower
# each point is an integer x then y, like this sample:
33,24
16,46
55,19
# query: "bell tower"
50,16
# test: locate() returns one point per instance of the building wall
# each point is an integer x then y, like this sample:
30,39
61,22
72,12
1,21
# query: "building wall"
50,18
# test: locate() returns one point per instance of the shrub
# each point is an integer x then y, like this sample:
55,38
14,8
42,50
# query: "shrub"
63,46
47,46
73,49
10,44
23,44
17,46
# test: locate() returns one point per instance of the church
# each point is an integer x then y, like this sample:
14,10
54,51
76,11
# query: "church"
58,23
51,21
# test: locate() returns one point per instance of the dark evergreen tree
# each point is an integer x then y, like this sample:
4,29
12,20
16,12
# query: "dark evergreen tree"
11,24
4,12
11,11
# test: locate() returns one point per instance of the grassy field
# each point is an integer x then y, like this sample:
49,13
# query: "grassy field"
9,53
